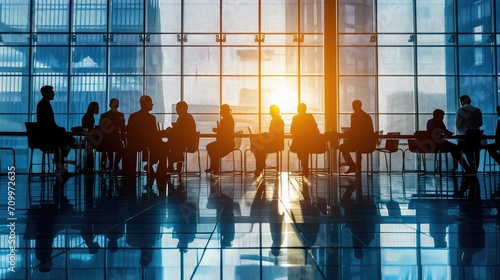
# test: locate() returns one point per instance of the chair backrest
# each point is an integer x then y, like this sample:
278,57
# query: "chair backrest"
36,139
237,139
194,144
392,145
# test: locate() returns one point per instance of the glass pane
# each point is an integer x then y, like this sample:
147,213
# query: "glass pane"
311,93
90,15
50,60
165,16
281,61
128,89
168,87
397,123
364,39
436,39
395,60
201,60
88,60
14,60
399,39
282,91
395,18
201,16
435,16
311,16
242,92
82,39
204,92
13,122
163,60
279,16
436,93
125,60
355,17
85,89
240,16
15,15
357,60
51,16
13,94
475,16
240,60
361,88
127,16
311,60
476,60
436,61
396,95
481,91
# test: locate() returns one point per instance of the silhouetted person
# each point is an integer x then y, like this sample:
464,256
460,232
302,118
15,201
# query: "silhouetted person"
469,121
88,122
305,134
494,147
362,218
52,132
181,217
359,138
180,136
471,233
143,134
268,142
112,126
438,131
309,227
224,141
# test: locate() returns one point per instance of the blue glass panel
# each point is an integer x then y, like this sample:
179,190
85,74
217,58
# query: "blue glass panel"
85,89
435,60
395,18
90,15
127,16
475,16
15,15
88,60
476,60
14,60
50,60
435,16
481,90
395,60
128,89
51,16
13,94
169,89
126,60
170,13
60,84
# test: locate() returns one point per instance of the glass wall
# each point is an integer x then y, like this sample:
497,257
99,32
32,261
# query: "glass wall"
249,54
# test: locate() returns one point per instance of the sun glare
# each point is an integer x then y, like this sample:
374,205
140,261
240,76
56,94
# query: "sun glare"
286,100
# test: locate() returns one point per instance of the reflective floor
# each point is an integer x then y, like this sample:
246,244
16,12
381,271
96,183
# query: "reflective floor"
245,227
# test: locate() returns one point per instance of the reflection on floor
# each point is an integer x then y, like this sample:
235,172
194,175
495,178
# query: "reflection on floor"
243,227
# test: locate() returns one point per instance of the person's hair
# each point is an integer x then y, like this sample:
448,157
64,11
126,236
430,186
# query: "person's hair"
225,107
45,89
145,99
274,108
465,98
302,107
438,113
182,105
113,100
92,106
357,104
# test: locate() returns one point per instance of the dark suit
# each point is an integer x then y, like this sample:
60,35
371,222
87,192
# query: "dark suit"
494,147
360,137
223,144
438,130
180,136
304,130
268,142
51,132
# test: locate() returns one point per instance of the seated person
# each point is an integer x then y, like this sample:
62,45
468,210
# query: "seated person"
268,142
180,135
359,138
438,131
305,133
112,126
88,122
143,135
52,132
494,147
224,141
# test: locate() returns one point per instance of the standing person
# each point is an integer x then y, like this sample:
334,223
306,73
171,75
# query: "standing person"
494,147
359,138
112,125
438,131
143,135
52,132
469,118
305,132
268,142
224,142
88,122
180,136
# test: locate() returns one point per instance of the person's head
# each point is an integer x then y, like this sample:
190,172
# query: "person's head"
93,108
301,108
47,92
438,114
274,110
181,107
225,110
356,105
146,103
114,103
464,99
